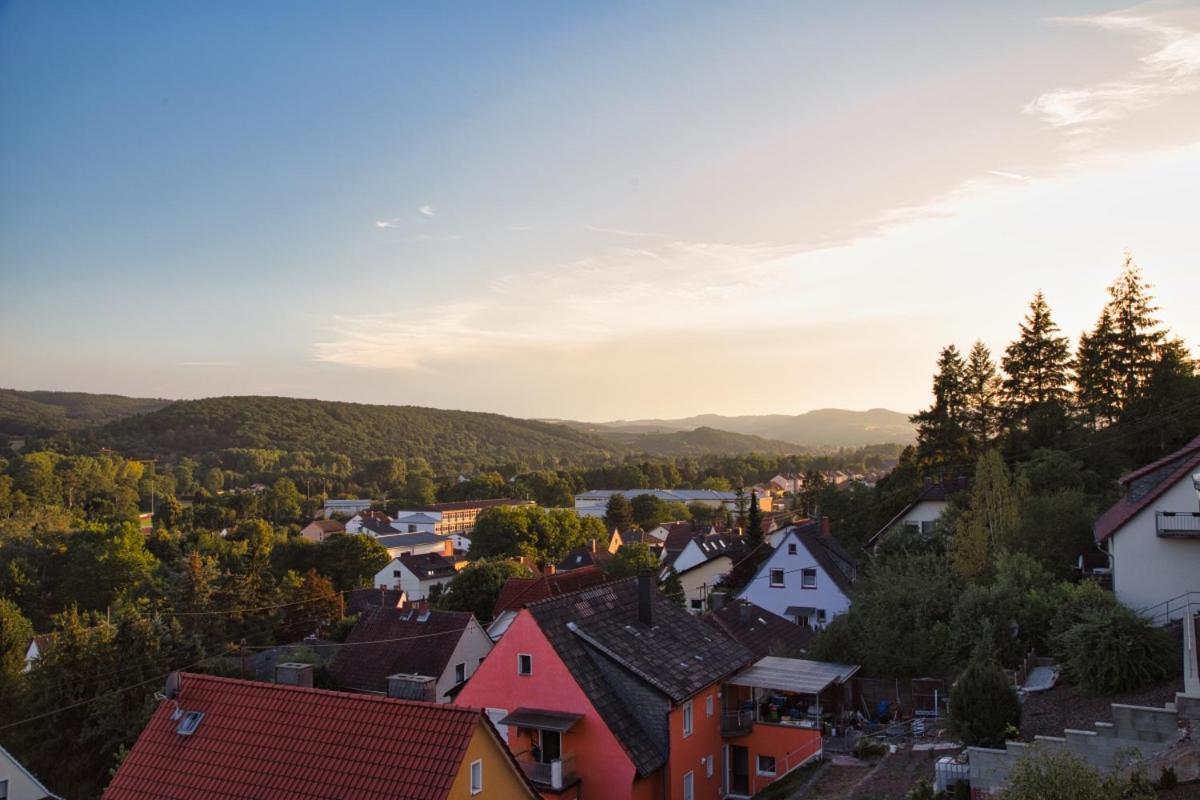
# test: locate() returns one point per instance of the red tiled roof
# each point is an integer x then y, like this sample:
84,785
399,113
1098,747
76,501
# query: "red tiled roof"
266,741
402,643
520,592
1170,470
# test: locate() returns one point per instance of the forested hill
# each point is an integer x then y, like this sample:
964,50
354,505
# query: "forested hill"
445,438
41,413
700,442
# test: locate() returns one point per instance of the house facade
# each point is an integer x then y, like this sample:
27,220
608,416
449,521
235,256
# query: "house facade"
699,580
806,579
318,529
415,575
923,513
1152,534
416,544
18,783
273,741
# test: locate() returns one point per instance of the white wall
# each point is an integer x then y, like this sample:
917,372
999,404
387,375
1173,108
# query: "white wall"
924,511
826,595
1148,570
698,583
415,588
21,785
473,645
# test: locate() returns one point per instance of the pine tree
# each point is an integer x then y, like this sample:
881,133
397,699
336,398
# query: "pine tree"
1136,337
981,387
1097,388
941,429
754,531
1036,365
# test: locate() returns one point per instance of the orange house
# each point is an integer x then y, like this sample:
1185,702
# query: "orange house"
615,691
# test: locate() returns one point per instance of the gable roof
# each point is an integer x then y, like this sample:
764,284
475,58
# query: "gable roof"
359,600
933,492
399,642
517,593
270,741
1145,485
631,673
711,547
377,525
416,518
327,525
394,539
427,566
762,632
833,560
6,756
583,556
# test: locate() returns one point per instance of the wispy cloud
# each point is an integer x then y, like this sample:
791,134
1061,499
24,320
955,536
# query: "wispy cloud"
621,291
1169,68
387,223
426,211
624,232
1015,176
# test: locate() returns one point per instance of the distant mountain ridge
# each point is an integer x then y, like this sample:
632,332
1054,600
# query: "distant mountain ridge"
42,413
825,427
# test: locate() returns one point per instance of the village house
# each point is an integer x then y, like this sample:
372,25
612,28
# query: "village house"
18,783
416,544
788,482
1152,534
516,593
701,565
416,522
761,632
923,513
38,645
413,652
318,529
358,601
223,737
806,578
369,522
592,554
460,516
614,691
415,575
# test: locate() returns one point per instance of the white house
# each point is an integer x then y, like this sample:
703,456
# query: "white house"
1152,534
37,648
416,522
806,579
699,579
369,522
415,575
922,514
405,544
461,542
18,783
701,549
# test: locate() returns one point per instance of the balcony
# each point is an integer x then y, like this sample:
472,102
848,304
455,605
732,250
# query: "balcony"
1178,524
736,723
556,774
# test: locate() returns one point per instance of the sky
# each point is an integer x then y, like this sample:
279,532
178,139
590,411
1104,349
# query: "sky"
580,210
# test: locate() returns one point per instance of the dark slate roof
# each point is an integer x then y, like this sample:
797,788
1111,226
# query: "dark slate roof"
402,643
584,556
360,600
517,593
1144,486
762,632
271,741
395,539
377,525
630,672
428,566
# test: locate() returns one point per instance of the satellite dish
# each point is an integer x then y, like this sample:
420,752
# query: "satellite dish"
174,685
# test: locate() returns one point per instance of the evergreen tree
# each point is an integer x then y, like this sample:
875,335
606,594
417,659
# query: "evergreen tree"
991,518
754,531
1036,365
941,429
1136,337
983,703
981,387
1097,387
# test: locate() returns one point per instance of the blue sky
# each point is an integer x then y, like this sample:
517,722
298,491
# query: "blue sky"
578,210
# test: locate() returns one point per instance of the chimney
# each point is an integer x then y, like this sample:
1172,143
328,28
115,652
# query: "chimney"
716,600
646,599
550,569
744,613
412,687
293,673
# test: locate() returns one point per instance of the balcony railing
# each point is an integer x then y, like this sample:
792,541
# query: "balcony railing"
736,723
555,774
1178,524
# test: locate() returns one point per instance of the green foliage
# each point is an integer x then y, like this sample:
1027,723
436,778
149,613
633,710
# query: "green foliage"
671,586
991,517
867,747
943,434
1036,365
477,586
1111,649
351,560
545,535
1054,774
633,559
983,703
618,513
15,634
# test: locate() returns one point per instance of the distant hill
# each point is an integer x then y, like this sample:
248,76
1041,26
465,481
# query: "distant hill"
446,438
826,427
699,442
40,413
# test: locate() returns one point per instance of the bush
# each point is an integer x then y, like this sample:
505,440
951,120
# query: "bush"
1111,649
984,704
1058,775
866,747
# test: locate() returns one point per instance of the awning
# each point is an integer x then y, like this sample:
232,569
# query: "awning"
542,720
799,611
793,675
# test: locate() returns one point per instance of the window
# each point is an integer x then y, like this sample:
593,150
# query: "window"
524,664
697,604
927,526
708,706
777,577
688,786
396,573
708,765
791,548
687,718
412,528
460,673
808,578
477,776
3,788
820,616
766,765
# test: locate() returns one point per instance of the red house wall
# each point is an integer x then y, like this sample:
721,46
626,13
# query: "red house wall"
791,746
688,752
600,760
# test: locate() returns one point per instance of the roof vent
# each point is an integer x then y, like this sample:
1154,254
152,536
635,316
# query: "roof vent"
189,723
